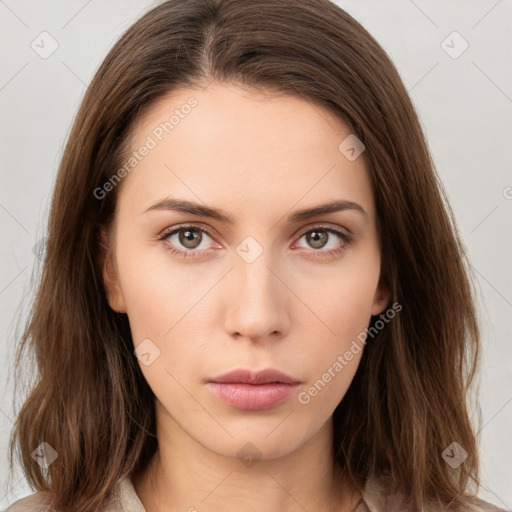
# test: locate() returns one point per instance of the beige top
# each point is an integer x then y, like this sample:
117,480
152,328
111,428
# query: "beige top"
125,499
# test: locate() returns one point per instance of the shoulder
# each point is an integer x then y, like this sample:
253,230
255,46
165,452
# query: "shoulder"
123,498
479,505
37,502
377,498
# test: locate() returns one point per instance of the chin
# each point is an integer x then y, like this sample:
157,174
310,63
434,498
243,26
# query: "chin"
258,438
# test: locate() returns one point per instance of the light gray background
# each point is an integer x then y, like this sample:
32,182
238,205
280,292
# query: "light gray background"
465,105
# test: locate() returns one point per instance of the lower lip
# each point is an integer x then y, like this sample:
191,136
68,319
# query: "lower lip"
252,397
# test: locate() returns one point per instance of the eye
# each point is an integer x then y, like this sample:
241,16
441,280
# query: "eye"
185,240
332,241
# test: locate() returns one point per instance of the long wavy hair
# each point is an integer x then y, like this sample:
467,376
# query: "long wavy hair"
410,397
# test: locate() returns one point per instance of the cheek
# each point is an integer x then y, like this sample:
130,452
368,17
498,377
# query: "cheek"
343,298
342,307
170,305
162,304
157,290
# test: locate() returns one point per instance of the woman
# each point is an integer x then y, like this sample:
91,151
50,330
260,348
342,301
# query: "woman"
254,296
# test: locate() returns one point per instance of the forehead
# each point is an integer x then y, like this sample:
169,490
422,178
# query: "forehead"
225,143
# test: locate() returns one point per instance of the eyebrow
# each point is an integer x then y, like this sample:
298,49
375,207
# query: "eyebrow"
201,210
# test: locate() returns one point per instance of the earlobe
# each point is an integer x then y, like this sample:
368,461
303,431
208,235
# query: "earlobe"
109,275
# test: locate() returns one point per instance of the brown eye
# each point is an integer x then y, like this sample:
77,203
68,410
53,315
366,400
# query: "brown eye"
317,238
323,241
188,241
190,238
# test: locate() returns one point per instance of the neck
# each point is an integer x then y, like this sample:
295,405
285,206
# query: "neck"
185,476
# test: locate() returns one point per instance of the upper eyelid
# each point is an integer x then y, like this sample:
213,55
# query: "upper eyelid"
321,225
168,231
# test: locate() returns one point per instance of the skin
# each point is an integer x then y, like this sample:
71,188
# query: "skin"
259,157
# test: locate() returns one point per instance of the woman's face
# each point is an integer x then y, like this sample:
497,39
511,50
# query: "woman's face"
258,285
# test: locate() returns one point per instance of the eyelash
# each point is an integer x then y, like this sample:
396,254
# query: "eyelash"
345,237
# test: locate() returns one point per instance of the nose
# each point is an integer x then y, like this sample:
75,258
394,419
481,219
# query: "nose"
256,307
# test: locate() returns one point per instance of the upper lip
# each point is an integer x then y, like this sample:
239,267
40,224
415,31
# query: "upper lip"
243,376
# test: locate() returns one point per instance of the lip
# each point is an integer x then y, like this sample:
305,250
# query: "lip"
253,390
243,376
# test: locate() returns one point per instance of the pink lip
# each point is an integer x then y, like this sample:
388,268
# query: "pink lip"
245,389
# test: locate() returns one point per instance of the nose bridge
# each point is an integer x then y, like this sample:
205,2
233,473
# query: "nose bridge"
257,305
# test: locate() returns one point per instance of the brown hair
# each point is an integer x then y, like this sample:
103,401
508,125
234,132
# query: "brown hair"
408,400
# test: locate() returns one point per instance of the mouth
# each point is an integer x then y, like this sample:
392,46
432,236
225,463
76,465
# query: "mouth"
249,390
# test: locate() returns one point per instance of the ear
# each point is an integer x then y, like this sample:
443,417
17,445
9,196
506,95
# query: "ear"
381,298
109,274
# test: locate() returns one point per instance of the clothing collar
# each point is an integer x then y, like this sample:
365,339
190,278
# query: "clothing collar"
127,500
